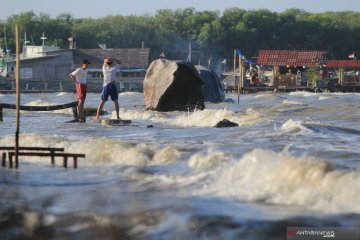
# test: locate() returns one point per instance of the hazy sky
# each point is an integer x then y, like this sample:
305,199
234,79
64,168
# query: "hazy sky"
96,8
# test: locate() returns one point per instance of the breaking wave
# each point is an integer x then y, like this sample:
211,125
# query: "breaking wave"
280,178
303,94
100,151
205,118
293,126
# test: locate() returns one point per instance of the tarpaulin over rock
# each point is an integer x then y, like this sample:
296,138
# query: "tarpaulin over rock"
173,86
213,90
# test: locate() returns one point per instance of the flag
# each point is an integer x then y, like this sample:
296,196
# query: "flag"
238,52
352,55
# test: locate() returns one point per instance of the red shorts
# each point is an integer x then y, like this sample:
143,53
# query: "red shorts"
81,90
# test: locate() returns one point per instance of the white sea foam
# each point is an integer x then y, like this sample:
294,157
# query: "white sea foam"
265,96
210,160
209,118
292,126
100,151
62,94
280,178
46,103
304,94
130,93
142,115
324,97
205,118
288,102
39,103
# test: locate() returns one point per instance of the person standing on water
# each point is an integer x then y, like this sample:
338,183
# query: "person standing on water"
79,76
109,88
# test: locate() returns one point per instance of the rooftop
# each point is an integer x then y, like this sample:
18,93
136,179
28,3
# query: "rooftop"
291,58
130,58
344,63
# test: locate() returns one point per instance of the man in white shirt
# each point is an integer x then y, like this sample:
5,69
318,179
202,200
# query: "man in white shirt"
109,88
79,76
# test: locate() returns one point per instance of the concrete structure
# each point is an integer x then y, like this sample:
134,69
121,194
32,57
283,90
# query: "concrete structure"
48,68
134,63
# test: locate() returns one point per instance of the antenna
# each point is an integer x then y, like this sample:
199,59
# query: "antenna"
43,38
6,47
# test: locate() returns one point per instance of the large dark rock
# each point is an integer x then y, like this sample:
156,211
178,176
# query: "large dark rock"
173,86
213,90
225,123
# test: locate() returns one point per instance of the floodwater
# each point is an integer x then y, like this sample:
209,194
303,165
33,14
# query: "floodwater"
294,160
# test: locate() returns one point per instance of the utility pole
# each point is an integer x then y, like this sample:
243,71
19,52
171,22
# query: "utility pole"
17,97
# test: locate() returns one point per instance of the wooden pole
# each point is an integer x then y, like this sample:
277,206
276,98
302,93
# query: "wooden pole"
239,82
17,97
234,61
234,70
243,72
341,76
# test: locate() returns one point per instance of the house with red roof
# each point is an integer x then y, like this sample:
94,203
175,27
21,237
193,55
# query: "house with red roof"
288,66
348,71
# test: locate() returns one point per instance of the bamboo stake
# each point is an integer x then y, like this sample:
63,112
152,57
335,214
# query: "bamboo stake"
17,97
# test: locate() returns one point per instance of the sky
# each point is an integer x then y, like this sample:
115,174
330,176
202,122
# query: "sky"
97,9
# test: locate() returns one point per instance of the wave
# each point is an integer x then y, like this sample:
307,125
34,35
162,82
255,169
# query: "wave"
46,103
265,96
280,178
62,94
142,115
40,103
288,102
205,118
303,94
292,126
210,160
100,151
324,97
320,127
130,93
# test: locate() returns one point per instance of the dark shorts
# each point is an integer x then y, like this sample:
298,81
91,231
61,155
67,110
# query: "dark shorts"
109,90
81,90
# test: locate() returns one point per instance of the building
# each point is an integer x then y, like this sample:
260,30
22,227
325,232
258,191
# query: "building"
287,66
347,72
134,63
48,68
